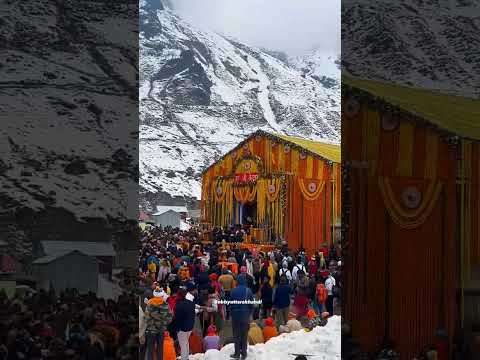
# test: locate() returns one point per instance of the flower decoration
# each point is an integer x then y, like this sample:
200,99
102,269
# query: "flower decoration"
389,122
352,107
411,197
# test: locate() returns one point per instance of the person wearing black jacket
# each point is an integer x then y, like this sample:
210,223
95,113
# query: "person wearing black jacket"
203,287
266,294
184,319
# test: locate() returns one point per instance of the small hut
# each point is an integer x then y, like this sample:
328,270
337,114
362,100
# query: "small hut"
64,270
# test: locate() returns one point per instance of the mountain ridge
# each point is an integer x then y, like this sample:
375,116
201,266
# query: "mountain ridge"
201,93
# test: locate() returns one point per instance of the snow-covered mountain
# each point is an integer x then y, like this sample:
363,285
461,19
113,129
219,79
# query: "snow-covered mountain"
201,93
323,67
67,164
426,43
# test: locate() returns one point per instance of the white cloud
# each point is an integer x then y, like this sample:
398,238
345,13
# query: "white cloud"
293,26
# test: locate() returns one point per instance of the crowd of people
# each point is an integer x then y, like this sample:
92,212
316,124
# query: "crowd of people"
45,325
185,282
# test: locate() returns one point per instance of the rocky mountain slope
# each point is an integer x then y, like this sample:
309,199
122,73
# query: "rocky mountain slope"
68,162
426,43
201,93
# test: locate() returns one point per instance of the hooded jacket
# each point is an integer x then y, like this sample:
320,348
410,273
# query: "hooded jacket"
157,315
241,312
255,334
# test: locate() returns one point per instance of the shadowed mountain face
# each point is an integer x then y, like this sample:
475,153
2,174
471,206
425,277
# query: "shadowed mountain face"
201,93
69,124
425,43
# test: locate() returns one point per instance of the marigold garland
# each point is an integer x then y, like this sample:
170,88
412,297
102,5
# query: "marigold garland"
409,219
219,185
245,194
261,201
272,182
310,195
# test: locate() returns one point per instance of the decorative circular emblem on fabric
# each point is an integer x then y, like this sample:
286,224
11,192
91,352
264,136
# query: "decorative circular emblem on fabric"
411,197
219,190
312,187
389,123
352,107
303,155
247,166
271,189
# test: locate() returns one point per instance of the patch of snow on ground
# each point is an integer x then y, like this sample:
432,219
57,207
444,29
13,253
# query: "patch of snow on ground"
323,342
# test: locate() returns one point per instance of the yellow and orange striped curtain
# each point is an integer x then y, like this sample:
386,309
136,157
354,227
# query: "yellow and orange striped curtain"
222,204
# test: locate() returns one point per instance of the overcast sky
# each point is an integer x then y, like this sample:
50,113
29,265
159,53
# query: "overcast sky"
293,26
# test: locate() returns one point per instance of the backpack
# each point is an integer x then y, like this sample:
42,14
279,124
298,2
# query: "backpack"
281,272
322,294
300,267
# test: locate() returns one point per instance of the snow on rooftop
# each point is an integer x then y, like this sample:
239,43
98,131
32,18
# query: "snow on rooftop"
161,209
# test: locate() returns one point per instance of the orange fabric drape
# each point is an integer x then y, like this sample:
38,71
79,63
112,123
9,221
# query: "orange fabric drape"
275,148
302,166
259,147
328,207
288,160
303,219
383,255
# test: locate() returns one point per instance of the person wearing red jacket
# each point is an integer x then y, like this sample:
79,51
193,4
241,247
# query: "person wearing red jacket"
300,304
312,266
214,282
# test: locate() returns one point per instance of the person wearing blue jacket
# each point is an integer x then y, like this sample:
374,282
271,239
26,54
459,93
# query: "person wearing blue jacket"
281,301
240,314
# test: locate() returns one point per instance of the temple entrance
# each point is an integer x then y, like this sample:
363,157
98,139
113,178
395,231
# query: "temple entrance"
249,214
